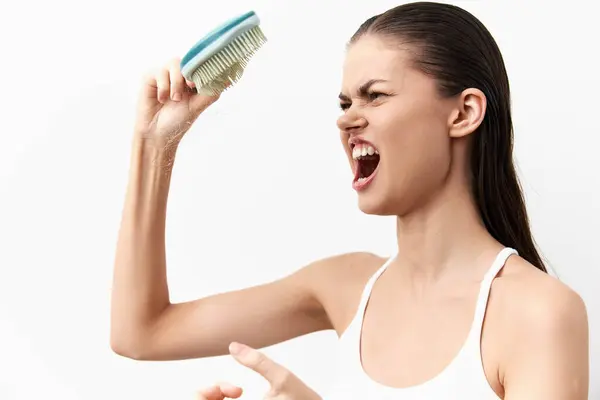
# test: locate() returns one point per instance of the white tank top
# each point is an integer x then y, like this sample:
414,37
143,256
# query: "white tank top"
463,378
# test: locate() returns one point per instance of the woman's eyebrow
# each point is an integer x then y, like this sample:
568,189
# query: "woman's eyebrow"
363,90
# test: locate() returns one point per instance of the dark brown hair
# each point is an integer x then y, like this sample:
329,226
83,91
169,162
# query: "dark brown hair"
457,50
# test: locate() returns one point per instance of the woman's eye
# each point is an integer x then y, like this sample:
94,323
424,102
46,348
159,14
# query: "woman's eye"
344,106
375,95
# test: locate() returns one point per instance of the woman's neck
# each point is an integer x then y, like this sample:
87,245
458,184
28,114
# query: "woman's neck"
443,237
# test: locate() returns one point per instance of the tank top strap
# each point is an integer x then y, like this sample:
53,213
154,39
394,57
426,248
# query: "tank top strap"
485,288
365,296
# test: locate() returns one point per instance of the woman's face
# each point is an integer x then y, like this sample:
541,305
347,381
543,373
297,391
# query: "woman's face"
394,128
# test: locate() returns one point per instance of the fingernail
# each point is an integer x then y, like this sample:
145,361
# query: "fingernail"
235,348
176,96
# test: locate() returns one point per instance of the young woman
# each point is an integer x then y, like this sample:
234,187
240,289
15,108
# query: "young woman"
464,308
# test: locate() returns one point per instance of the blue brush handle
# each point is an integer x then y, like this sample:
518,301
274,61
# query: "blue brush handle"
214,35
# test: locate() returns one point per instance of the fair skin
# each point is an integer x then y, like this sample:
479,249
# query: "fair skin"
535,336
283,384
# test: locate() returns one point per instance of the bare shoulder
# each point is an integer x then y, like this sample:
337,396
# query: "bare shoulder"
537,300
349,267
338,281
545,326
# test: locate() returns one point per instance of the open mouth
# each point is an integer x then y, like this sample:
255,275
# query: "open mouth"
367,160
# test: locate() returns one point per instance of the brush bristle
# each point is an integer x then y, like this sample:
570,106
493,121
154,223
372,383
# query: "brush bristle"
225,68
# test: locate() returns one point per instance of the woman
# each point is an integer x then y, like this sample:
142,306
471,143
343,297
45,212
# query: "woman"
464,309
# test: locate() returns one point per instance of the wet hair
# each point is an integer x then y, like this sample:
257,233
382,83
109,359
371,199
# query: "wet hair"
455,48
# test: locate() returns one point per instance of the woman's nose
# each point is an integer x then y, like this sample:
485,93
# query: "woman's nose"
352,122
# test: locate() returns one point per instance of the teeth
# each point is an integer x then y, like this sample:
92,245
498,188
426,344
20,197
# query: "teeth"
361,150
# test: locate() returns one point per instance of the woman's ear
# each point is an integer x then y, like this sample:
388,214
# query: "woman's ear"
468,114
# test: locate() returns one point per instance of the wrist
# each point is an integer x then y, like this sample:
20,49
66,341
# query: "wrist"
154,153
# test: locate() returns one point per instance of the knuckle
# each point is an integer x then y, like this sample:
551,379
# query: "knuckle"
273,393
280,381
174,69
161,76
151,75
258,359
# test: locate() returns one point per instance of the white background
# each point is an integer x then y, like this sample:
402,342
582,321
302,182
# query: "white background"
261,186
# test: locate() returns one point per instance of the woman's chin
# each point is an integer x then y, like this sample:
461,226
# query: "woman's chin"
371,204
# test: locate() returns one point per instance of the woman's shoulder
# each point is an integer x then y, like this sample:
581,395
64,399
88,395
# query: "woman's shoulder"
529,294
348,266
338,282
543,320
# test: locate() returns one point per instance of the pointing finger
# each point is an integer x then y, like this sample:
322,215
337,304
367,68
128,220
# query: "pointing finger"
274,373
210,393
220,392
230,391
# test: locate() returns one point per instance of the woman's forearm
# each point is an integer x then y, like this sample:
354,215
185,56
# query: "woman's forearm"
140,291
